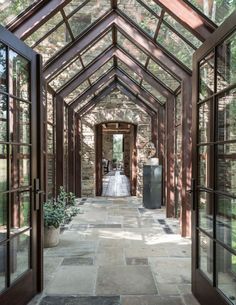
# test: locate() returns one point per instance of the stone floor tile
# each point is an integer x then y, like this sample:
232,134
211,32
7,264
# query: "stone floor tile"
74,300
123,280
189,299
51,264
77,261
145,251
136,261
185,288
110,256
151,300
73,280
167,289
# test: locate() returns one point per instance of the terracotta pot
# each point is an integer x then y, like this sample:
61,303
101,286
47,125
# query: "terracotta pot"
51,237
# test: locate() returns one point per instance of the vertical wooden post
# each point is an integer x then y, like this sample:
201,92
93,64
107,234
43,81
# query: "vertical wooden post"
71,150
170,198
59,142
98,156
134,160
154,123
78,156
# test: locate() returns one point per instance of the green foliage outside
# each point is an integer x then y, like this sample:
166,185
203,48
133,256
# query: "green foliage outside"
118,147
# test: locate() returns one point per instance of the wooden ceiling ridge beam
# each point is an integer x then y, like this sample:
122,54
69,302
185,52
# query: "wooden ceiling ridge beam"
91,104
105,79
142,73
189,18
86,73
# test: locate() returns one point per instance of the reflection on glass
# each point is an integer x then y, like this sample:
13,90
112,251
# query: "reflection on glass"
226,116
44,29
163,75
129,47
205,212
20,249
171,41
3,167
100,72
78,91
128,71
154,92
3,117
3,216
19,121
20,211
20,165
207,76
50,139
226,63
226,221
19,71
53,43
87,15
204,166
140,15
50,108
205,262
66,74
51,175
3,264
226,271
99,47
178,110
3,68
226,168
217,11
204,122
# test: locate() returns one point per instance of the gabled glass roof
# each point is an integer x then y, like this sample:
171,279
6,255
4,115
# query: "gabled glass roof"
128,71
100,72
216,11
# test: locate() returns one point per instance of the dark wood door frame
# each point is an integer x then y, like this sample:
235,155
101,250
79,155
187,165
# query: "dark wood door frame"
98,157
204,291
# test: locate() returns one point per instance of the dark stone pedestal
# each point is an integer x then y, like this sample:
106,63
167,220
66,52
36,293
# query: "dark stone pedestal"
152,186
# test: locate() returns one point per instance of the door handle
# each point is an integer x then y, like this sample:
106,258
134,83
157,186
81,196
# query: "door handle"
192,192
37,193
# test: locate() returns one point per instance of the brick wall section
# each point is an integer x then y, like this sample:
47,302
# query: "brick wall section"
115,107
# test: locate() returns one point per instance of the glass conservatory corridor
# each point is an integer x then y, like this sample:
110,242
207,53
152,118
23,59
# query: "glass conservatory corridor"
116,252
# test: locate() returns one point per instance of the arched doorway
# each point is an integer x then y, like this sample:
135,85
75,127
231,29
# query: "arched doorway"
116,154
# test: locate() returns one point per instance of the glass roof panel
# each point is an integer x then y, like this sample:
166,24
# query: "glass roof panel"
83,103
217,11
100,72
104,86
153,91
175,45
128,71
44,29
129,47
66,74
163,75
153,6
77,92
10,9
73,6
53,43
93,51
140,15
88,14
182,30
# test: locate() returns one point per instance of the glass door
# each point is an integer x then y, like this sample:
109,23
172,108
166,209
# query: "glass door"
19,186
214,168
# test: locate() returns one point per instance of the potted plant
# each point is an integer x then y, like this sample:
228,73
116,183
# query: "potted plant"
58,212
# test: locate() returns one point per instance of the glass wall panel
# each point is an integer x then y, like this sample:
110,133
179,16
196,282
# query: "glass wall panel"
162,75
217,11
19,73
226,63
3,168
100,72
226,168
129,47
204,122
205,212
207,76
3,217
20,247
99,47
226,221
171,42
10,9
3,118
146,20
205,262
3,264
204,166
87,15
226,113
226,270
3,68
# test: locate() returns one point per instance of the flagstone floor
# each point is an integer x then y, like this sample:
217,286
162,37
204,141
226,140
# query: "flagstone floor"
115,252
